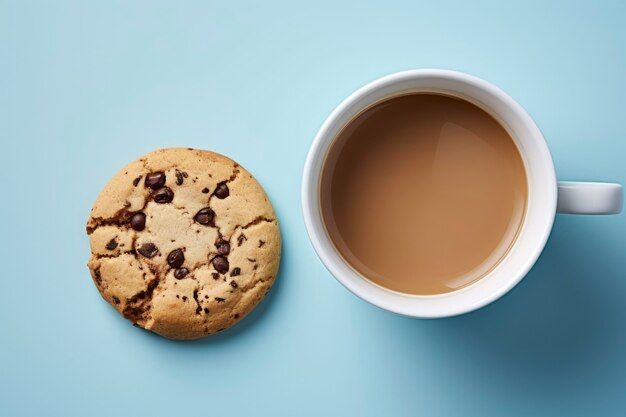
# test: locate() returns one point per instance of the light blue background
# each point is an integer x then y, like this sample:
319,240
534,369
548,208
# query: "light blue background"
87,86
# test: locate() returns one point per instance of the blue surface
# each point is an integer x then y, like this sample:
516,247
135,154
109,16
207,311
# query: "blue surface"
87,86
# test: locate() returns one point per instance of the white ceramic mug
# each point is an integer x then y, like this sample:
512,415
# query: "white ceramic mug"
545,195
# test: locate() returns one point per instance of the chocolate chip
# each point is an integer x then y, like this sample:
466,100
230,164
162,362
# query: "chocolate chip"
206,310
237,315
136,181
241,239
96,273
138,221
261,243
205,216
116,300
149,250
220,299
215,275
205,190
233,284
155,180
220,263
112,244
163,195
176,258
184,298
185,174
235,272
223,247
181,273
221,191
179,178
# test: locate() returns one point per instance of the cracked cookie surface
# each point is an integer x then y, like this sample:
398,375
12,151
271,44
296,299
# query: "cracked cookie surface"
184,242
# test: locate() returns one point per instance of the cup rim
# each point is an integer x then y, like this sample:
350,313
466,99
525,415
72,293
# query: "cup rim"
453,303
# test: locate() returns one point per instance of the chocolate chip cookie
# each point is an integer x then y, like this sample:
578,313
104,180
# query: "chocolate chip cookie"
184,242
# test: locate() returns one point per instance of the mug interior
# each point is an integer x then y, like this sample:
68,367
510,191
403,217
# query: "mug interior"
541,202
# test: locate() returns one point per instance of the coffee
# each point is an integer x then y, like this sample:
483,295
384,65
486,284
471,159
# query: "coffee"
423,193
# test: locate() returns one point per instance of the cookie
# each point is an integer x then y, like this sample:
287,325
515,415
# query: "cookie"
184,242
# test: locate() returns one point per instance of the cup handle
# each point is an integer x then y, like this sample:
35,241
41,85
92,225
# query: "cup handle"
589,197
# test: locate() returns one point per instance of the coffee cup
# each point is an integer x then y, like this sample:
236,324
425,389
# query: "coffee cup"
546,196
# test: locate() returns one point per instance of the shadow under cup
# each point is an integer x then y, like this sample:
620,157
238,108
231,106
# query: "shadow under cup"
423,193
